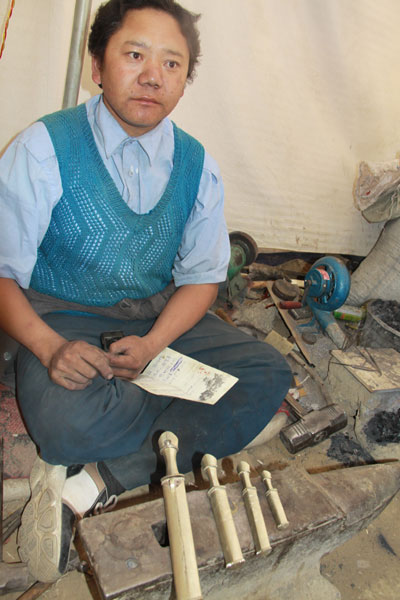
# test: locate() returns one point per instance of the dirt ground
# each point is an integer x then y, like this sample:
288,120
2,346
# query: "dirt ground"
367,567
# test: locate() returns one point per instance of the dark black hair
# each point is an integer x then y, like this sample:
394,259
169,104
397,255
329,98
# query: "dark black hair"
110,16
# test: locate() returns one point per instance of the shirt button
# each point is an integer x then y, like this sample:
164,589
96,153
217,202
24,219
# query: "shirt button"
131,170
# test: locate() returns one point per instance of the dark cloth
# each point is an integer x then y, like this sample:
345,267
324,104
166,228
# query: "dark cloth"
119,423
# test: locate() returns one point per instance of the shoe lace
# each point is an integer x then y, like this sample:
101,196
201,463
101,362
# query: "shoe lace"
102,507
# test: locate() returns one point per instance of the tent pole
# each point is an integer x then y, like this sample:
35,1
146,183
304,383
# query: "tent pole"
76,52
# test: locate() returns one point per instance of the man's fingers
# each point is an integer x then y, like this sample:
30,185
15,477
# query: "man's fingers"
125,344
77,371
126,373
94,363
68,383
78,363
127,361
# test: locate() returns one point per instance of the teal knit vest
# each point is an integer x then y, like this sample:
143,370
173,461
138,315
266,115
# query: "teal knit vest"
96,250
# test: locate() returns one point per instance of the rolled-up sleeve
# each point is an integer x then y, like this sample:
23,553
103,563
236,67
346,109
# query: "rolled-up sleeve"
30,186
204,253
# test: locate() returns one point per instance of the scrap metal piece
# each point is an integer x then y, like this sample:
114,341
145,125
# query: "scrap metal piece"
285,291
367,354
274,502
253,510
222,513
183,555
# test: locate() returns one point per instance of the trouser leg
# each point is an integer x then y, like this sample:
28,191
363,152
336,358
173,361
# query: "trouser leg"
106,420
119,423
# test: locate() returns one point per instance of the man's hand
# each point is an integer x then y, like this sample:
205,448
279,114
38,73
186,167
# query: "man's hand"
75,364
129,356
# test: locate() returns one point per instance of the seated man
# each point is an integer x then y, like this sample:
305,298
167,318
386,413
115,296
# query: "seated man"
112,219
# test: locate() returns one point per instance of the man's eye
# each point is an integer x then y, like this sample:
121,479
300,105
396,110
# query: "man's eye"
135,55
172,64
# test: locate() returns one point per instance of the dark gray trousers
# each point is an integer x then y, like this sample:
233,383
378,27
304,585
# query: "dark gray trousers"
119,423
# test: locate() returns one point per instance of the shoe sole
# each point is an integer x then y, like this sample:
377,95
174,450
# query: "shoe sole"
39,537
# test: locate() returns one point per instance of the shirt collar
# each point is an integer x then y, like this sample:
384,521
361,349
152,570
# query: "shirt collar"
113,137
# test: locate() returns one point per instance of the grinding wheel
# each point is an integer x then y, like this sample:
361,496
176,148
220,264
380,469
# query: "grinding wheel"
246,242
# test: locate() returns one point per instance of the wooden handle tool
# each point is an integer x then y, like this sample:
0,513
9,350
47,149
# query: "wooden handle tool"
274,502
222,513
253,510
183,555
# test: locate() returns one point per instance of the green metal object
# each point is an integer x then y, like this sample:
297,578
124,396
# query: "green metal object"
244,252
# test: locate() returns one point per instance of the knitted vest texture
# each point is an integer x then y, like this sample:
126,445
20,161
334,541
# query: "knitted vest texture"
96,250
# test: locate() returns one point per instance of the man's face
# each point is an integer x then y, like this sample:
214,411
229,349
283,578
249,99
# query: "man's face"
144,70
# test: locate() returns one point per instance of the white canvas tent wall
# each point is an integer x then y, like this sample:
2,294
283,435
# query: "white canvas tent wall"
291,95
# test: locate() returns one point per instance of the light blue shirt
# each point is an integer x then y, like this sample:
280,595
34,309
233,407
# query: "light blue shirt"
30,187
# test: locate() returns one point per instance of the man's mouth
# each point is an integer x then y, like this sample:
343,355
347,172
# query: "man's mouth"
146,100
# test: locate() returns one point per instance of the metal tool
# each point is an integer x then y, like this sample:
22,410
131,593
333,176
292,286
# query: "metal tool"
244,251
285,291
312,427
365,353
222,513
274,502
300,313
353,366
253,510
183,555
290,304
326,287
109,337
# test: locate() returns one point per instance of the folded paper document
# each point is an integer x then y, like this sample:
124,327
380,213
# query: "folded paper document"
174,374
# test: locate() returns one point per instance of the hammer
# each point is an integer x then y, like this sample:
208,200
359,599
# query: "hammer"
183,555
312,427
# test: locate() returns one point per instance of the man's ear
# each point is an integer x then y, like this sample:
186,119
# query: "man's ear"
96,70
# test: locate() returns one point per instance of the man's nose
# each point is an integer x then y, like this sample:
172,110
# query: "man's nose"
151,74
